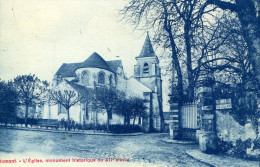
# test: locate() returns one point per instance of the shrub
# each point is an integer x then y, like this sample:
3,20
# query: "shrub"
125,128
101,127
20,121
32,121
89,126
62,123
79,126
72,124
238,150
223,146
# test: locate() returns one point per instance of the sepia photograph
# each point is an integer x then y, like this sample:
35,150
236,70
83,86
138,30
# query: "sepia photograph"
131,83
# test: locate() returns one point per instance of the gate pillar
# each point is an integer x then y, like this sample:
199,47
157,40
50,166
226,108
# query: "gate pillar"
174,125
206,114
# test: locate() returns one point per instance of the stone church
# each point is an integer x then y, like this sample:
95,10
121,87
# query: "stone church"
146,84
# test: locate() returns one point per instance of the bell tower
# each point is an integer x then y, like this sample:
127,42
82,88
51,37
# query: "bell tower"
148,72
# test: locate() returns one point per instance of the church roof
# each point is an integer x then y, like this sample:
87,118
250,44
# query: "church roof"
80,89
68,70
94,61
114,64
147,50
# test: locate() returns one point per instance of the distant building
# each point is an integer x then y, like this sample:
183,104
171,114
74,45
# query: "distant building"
94,71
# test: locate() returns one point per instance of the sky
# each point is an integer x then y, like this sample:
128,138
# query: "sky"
38,36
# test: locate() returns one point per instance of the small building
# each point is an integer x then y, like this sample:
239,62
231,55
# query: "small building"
95,71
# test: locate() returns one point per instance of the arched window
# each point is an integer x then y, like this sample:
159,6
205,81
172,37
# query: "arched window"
85,78
146,68
101,78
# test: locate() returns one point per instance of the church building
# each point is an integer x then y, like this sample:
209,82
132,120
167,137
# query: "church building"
94,71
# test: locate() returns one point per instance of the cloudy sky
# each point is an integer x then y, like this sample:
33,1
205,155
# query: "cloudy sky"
38,36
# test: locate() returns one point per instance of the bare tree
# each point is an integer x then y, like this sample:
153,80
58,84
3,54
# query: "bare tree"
175,24
68,98
154,14
248,13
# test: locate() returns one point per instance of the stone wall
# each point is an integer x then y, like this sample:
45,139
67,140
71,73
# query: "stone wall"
230,130
234,138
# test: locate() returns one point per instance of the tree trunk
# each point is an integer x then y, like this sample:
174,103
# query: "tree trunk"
175,60
128,120
26,115
68,114
108,122
68,119
86,113
177,67
108,119
251,35
134,121
125,120
189,62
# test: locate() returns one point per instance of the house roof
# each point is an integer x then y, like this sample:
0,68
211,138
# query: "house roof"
94,61
147,50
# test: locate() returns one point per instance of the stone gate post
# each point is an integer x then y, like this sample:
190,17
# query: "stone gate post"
174,126
206,114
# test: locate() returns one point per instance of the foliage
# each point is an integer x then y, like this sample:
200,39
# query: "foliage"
138,108
125,128
8,101
124,108
238,149
107,97
30,90
32,121
131,107
244,102
68,124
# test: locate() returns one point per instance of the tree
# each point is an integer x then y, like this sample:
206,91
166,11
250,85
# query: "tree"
69,98
138,108
123,107
154,14
175,24
106,98
30,89
66,98
8,101
248,13
131,107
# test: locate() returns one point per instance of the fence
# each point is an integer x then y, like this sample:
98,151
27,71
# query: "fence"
189,116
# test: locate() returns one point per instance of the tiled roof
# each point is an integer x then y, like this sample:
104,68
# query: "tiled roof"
94,61
68,70
80,89
114,64
147,50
